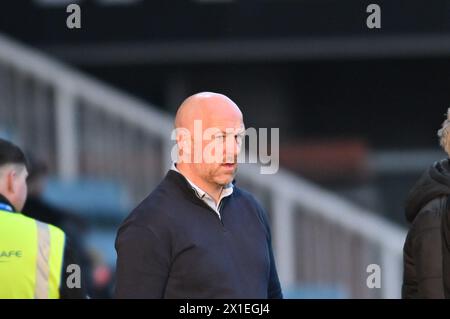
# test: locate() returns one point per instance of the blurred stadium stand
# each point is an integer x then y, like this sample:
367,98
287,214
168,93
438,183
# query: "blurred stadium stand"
357,110
103,146
94,199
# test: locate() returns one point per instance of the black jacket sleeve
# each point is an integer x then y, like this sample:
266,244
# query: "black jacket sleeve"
141,273
445,233
426,247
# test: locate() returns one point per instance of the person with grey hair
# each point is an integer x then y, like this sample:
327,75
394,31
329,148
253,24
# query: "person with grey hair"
445,221
425,206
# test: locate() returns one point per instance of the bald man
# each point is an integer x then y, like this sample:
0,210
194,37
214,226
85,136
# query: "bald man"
197,235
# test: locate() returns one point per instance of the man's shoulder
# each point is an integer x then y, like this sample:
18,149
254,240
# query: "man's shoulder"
247,199
243,195
431,214
158,207
154,206
21,219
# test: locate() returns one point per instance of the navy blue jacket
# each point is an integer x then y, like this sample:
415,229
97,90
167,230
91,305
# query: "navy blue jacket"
173,245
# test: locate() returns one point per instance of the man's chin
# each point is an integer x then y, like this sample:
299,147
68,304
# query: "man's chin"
225,180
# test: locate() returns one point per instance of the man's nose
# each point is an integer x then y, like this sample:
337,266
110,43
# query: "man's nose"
232,150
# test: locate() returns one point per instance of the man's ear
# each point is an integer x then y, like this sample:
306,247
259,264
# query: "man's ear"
11,181
184,141
179,140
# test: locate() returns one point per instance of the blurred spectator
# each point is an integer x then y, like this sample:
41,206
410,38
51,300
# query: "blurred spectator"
42,251
445,225
102,277
74,226
425,206
37,207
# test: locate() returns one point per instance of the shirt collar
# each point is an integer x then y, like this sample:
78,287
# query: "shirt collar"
5,205
227,190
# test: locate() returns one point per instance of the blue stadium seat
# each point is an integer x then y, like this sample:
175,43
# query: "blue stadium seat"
91,198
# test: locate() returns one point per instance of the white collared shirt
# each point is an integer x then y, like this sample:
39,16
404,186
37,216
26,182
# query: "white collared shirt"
204,196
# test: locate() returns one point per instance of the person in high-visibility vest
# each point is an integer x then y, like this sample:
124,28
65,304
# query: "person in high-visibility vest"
33,255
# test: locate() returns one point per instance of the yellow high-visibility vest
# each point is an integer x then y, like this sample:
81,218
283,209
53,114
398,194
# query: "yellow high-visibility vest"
31,257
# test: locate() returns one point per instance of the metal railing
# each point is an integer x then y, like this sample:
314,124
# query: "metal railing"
83,127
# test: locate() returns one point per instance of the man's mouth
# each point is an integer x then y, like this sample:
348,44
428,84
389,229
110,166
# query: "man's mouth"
228,165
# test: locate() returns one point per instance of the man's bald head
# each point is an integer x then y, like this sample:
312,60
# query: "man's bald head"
209,130
204,106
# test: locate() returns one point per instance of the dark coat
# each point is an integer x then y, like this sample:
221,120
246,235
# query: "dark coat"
422,252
